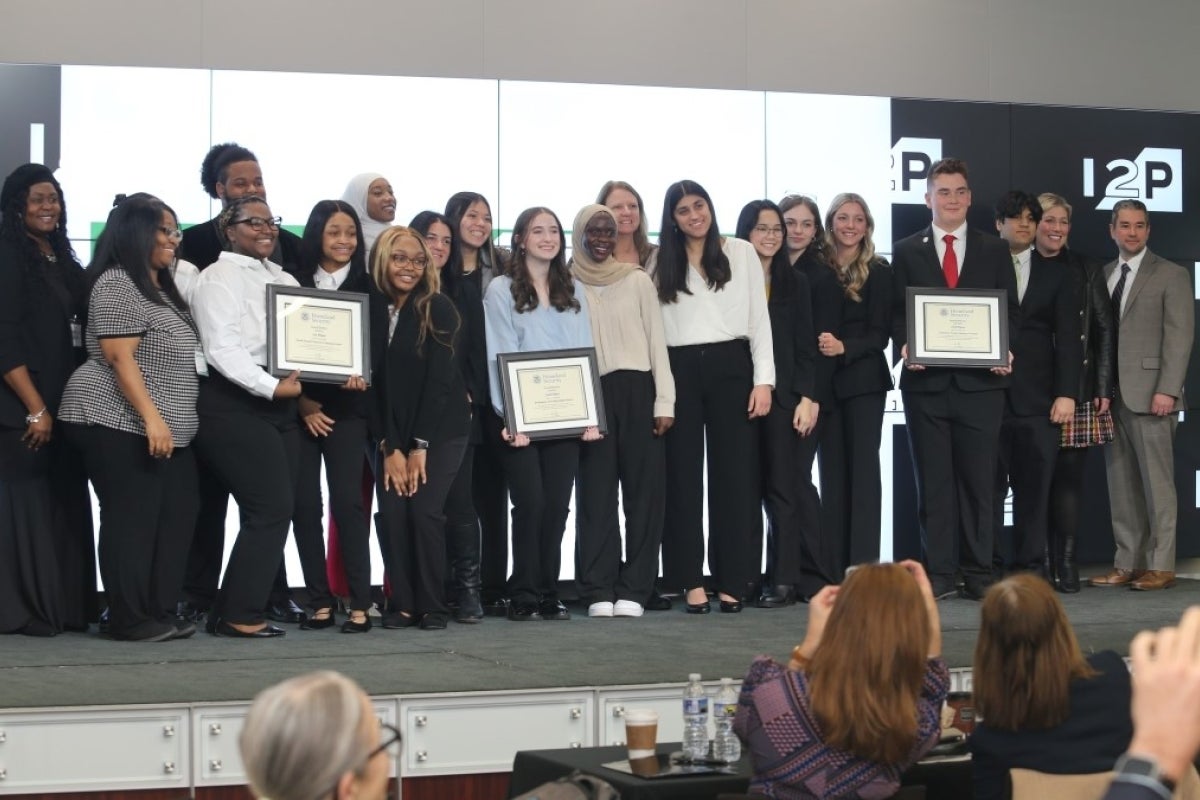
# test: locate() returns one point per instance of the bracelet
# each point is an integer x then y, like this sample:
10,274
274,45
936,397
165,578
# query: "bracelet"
32,418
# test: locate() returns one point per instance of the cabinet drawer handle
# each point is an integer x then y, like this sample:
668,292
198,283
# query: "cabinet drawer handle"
576,713
168,731
214,728
215,765
422,756
618,712
169,767
421,720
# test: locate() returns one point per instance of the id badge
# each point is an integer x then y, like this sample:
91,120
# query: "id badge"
201,364
76,332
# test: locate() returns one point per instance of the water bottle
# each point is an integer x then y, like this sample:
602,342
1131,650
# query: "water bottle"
726,745
695,719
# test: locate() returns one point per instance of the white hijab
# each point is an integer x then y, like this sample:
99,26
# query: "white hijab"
356,195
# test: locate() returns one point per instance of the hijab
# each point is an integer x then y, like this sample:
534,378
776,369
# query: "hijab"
356,195
586,268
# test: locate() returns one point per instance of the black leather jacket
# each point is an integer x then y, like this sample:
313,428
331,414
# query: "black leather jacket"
1099,334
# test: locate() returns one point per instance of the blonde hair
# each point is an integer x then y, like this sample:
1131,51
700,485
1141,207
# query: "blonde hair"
854,275
1025,657
866,675
302,735
1049,200
431,282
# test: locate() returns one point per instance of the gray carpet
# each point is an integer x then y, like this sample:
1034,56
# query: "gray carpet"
661,647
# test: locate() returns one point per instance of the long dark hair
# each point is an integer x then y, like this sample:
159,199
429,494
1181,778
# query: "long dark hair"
671,273
12,221
456,209
562,286
128,241
312,243
783,277
421,223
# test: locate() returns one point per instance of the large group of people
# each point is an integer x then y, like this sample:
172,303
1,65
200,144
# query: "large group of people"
727,365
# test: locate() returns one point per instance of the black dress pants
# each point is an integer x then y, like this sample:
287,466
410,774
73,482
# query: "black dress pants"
712,389
342,451
489,488
633,457
147,514
540,478
851,483
1027,453
413,533
252,446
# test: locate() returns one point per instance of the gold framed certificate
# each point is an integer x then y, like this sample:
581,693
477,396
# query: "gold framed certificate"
322,333
957,327
551,394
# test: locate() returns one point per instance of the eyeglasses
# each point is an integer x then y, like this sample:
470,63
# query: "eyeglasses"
258,223
390,741
174,234
768,230
401,260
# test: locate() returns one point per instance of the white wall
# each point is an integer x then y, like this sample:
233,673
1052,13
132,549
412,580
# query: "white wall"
1110,53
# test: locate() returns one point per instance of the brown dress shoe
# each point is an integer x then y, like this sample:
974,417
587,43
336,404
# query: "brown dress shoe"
1154,579
1117,577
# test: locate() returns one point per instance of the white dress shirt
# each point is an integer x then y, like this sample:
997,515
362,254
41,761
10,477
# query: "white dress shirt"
1133,263
331,280
960,244
230,307
1021,266
737,311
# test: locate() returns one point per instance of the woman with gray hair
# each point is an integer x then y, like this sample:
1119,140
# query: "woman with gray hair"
315,736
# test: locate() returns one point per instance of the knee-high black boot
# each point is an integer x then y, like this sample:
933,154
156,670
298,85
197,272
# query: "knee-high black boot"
464,563
1068,570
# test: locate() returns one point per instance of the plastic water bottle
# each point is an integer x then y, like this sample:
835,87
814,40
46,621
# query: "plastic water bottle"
726,745
695,719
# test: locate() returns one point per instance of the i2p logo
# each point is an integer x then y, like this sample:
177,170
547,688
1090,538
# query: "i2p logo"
1155,177
911,160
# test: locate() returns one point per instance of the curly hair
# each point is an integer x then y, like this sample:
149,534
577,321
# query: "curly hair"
215,167
12,220
562,286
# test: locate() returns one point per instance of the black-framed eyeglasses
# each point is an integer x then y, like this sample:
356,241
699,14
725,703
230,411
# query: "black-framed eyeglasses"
390,741
173,234
259,223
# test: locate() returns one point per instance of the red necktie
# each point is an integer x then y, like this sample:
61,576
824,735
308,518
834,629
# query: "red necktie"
950,262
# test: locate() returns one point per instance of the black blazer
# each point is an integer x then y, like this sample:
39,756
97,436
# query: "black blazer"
1098,334
1047,355
202,245
826,295
986,265
336,401
793,341
866,326
419,394
35,326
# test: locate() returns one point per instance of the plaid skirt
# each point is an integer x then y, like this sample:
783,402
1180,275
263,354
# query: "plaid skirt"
1087,428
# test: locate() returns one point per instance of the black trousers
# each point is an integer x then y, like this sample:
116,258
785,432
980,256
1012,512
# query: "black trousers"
1027,454
540,478
851,483
954,437
489,489
712,389
147,514
252,446
794,546
633,457
412,533
342,451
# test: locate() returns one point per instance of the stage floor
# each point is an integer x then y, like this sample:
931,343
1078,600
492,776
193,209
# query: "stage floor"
660,647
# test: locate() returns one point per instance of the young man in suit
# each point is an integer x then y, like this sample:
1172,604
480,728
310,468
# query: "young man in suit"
1153,302
1041,394
953,413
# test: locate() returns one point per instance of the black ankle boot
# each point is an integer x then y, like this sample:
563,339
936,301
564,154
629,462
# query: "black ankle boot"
1068,570
463,541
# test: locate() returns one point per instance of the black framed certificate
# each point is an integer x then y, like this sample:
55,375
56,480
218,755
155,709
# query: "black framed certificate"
957,327
321,332
551,394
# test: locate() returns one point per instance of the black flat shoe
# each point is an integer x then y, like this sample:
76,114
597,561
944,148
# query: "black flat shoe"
394,620
315,623
699,608
223,628
496,607
524,612
731,606
287,612
433,622
350,626
551,609
777,597
192,612
35,627
657,602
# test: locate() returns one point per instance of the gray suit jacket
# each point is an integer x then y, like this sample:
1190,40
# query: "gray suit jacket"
1154,339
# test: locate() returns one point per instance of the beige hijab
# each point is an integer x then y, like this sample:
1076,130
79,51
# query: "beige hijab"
583,266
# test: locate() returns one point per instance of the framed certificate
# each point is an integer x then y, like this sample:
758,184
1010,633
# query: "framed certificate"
957,327
551,394
322,333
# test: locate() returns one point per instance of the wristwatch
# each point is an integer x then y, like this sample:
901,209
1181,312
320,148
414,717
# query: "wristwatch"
417,444
1144,767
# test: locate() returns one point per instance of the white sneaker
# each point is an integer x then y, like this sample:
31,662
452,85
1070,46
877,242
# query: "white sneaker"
627,608
601,609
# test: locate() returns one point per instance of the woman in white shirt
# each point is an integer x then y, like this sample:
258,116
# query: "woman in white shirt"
719,340
249,434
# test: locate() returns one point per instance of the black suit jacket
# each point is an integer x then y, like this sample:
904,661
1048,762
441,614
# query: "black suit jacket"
793,340
826,294
335,401
202,245
1047,352
986,265
866,326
